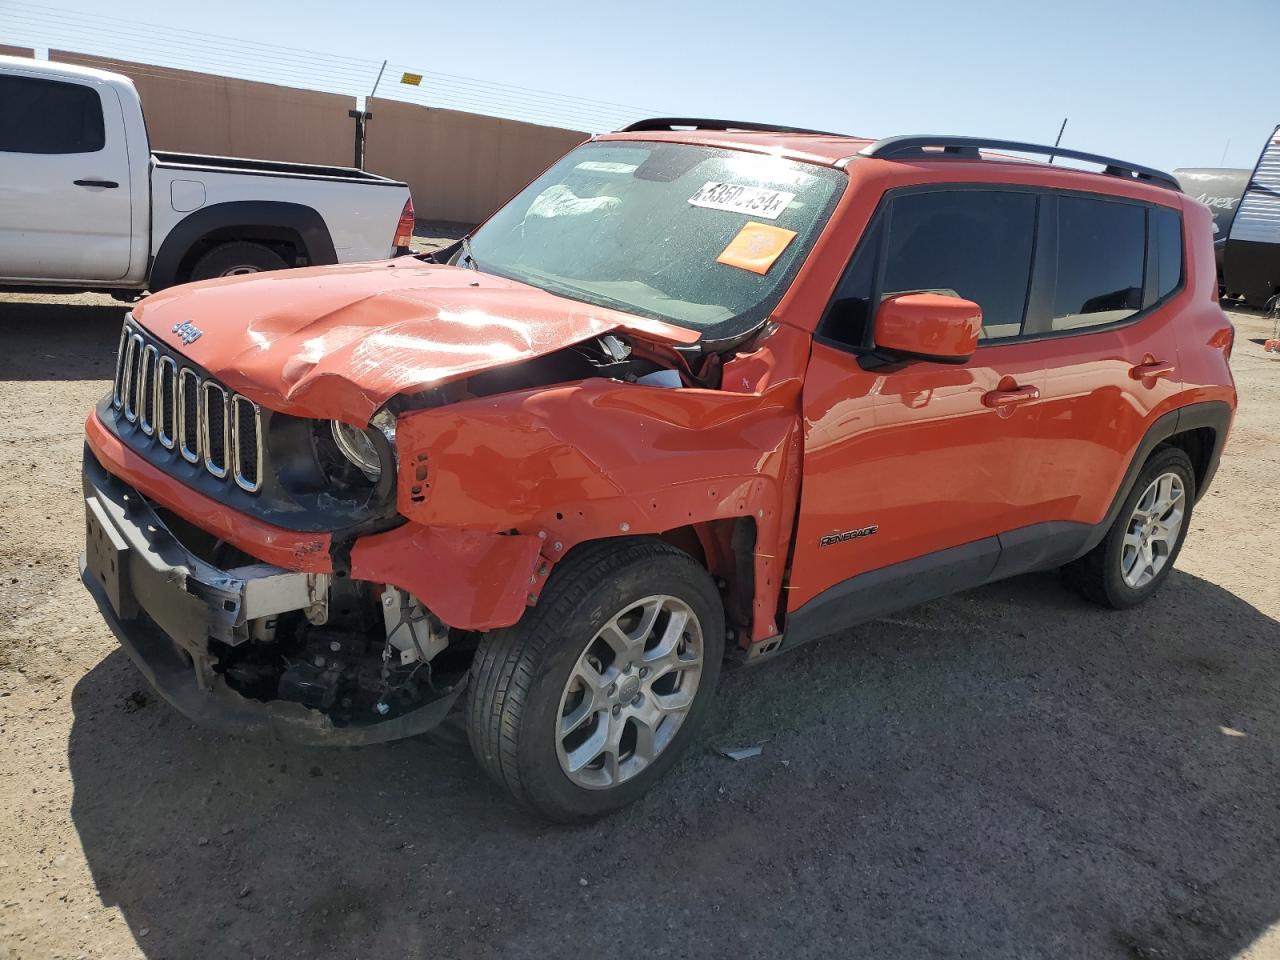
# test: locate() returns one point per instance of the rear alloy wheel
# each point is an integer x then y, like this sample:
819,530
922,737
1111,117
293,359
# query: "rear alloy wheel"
1153,530
1138,552
237,259
582,706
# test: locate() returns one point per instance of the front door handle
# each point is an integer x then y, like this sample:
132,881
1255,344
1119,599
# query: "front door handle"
1151,369
109,184
1008,397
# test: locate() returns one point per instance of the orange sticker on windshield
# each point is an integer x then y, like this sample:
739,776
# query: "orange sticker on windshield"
755,247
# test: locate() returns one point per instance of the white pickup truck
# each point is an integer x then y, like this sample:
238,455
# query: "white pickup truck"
86,205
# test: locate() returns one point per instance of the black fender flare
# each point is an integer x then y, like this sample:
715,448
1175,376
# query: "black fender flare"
1214,414
277,215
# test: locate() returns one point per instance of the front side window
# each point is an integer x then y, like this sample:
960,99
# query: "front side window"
1101,259
704,238
974,244
47,116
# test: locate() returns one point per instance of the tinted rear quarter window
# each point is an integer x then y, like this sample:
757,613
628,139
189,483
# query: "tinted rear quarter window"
1168,233
49,117
1101,258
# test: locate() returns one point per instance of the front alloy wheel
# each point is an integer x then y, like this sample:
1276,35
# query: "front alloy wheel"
629,692
585,703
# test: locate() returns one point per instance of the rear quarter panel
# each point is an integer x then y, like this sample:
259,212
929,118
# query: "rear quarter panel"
1205,333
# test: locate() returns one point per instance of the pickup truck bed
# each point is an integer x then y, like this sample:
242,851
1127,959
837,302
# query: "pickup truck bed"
267,168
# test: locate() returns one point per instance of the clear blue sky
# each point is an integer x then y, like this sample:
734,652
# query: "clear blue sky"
1162,83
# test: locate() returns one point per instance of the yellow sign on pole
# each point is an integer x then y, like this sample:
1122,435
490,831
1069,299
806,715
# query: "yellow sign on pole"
412,79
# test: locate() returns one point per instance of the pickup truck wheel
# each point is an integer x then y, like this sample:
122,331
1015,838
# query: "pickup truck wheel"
237,259
585,703
1138,553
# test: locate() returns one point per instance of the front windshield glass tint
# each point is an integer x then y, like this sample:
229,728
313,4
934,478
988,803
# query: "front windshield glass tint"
705,238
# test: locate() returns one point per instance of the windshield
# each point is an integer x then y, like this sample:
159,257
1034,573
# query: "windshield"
700,237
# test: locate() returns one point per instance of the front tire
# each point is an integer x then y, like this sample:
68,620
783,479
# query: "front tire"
585,703
1139,550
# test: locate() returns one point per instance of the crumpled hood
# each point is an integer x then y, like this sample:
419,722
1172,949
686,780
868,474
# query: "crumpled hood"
338,342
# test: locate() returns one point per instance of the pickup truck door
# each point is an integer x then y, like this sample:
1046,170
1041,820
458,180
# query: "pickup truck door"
65,186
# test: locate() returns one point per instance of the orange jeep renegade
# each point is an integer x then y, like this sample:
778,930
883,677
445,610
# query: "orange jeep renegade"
702,392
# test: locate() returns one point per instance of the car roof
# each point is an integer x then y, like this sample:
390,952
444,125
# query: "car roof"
972,158
823,148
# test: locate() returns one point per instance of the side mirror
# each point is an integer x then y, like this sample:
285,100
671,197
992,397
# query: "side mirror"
928,326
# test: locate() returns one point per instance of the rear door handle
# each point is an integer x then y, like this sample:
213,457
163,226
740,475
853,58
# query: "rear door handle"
1004,398
109,184
1151,369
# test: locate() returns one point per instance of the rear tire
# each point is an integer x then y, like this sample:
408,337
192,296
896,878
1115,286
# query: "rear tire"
235,259
1138,553
625,634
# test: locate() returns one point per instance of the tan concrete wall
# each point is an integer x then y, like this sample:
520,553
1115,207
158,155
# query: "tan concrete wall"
203,113
460,166
8,51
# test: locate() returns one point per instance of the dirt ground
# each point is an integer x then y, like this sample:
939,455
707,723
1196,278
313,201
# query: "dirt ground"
1006,773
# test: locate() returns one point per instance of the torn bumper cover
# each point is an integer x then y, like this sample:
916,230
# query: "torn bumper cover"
165,604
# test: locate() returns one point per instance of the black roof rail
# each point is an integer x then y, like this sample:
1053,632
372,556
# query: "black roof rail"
913,148
702,123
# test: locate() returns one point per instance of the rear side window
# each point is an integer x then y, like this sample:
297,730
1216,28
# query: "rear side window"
1101,259
46,116
1168,239
974,244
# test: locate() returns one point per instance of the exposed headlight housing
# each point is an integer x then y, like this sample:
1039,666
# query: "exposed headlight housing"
358,447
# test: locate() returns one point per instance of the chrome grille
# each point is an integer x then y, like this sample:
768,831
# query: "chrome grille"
166,398
214,426
147,389
175,407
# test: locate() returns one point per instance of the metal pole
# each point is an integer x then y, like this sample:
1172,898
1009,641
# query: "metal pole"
374,93
359,117
362,116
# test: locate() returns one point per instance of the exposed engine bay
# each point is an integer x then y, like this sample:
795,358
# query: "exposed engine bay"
359,652
612,356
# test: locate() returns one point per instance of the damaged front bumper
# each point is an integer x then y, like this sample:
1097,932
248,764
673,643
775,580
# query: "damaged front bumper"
166,606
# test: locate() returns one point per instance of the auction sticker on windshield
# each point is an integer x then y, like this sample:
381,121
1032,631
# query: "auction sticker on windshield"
739,198
755,247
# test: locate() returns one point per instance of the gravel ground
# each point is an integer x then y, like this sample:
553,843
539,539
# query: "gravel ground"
1006,773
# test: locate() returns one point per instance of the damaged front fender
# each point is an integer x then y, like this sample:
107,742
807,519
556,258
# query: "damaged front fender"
544,469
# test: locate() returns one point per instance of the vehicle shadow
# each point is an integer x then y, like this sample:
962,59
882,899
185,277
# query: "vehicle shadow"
1006,773
57,340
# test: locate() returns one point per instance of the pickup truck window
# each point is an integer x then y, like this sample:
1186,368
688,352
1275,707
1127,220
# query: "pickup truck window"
702,237
48,116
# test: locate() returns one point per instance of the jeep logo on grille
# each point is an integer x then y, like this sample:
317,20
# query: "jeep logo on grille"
858,534
187,331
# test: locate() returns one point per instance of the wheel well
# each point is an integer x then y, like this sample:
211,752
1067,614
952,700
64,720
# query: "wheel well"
1198,445
283,240
726,548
